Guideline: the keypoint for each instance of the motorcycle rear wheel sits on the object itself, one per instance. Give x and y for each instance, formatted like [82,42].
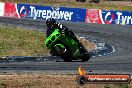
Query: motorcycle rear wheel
[85,57]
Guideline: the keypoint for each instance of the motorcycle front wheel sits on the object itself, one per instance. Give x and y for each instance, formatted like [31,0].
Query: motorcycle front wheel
[63,53]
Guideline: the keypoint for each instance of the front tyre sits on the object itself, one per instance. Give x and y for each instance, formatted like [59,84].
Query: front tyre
[63,53]
[59,50]
[52,53]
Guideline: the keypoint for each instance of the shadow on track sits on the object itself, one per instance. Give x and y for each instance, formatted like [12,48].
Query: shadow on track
[102,49]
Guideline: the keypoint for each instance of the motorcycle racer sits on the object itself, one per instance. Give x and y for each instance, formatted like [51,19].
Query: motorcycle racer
[52,24]
[62,42]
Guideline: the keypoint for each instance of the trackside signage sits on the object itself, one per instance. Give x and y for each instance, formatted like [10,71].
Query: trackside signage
[108,17]
[45,12]
[66,14]
[116,17]
[84,77]
[2,9]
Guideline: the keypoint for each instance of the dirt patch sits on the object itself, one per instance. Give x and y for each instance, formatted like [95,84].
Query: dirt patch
[88,45]
[42,80]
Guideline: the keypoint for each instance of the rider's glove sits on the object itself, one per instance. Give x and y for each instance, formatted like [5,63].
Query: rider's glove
[60,25]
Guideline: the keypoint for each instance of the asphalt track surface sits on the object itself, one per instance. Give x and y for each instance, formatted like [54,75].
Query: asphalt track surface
[119,36]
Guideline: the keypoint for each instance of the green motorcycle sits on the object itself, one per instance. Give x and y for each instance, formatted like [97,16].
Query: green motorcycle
[61,45]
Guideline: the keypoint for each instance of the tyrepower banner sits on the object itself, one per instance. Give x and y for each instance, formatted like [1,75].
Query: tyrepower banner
[116,17]
[45,12]
[66,14]
[108,17]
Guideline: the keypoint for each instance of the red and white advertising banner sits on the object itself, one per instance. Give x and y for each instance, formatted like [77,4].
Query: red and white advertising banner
[93,16]
[67,14]
[2,9]
[10,10]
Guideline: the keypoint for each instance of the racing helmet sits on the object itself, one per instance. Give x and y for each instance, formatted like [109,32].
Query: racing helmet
[50,22]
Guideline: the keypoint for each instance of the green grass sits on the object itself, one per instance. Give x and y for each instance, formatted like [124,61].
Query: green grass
[118,85]
[123,85]
[21,42]
[92,6]
[72,3]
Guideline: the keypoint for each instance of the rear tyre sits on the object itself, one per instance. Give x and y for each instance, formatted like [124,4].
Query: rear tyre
[67,59]
[85,58]
[85,55]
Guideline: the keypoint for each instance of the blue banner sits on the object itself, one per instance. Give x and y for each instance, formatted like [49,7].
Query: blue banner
[72,14]
[116,17]
[45,12]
